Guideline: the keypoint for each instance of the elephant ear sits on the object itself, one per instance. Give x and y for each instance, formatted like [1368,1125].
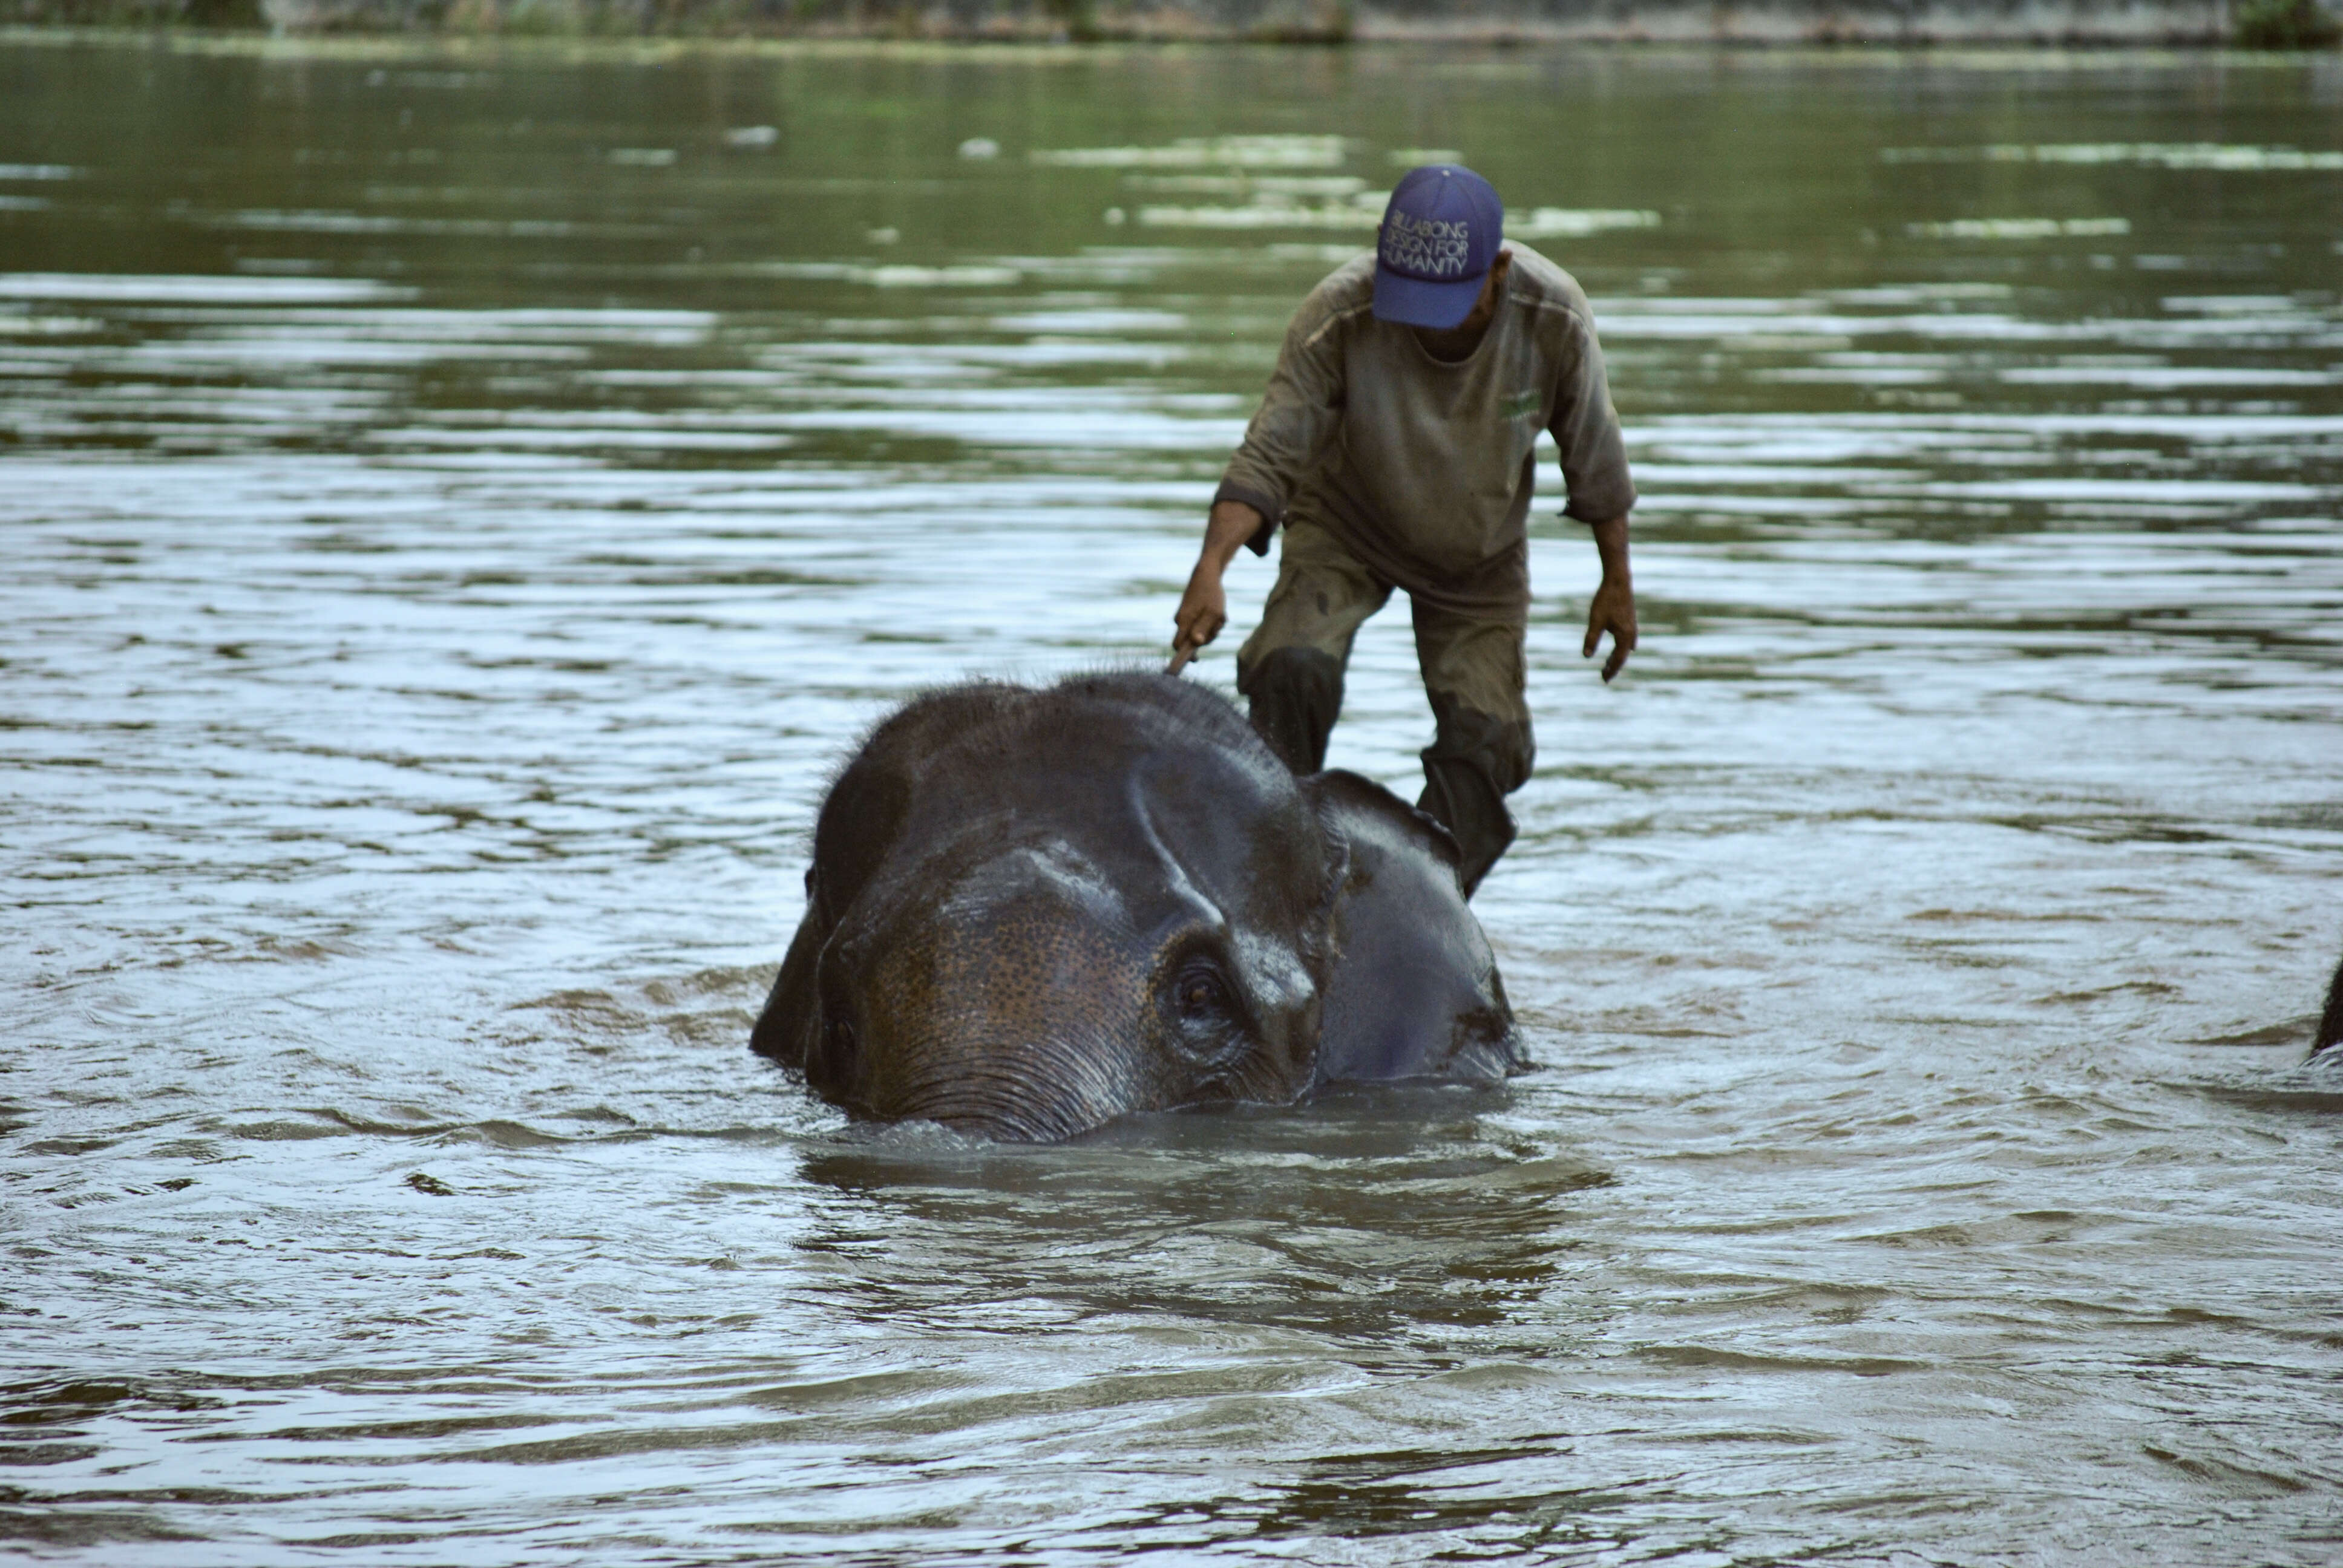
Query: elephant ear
[2330,1024]
[1415,992]
[860,820]
[863,819]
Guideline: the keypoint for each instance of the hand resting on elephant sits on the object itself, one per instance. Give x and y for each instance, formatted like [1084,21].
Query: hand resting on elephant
[1032,911]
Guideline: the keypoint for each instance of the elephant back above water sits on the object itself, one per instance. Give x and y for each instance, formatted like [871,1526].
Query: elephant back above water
[1032,911]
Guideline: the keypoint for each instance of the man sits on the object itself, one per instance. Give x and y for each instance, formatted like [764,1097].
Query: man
[1396,444]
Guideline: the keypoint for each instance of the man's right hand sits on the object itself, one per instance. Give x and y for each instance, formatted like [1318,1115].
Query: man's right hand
[1204,611]
[1204,607]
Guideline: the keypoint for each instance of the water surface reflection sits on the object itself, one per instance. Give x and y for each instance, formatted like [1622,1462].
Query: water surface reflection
[462,508]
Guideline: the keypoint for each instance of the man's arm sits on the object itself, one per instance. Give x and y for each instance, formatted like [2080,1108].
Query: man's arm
[1594,454]
[1613,607]
[1287,436]
[1204,607]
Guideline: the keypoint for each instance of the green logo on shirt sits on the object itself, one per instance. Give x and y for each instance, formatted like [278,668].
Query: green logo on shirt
[1519,404]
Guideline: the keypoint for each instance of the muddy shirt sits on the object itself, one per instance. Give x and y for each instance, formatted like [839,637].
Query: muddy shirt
[1425,468]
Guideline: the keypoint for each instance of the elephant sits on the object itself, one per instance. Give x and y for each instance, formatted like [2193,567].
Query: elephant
[1034,909]
[2330,1022]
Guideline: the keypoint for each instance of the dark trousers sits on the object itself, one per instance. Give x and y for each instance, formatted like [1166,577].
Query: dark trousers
[1291,669]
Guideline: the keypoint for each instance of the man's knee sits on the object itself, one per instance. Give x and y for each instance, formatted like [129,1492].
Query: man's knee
[1474,761]
[1296,694]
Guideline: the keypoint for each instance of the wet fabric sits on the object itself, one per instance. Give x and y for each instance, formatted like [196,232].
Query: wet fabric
[1296,694]
[1425,468]
[1475,760]
[1291,669]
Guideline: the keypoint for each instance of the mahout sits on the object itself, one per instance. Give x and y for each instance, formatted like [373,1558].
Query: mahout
[1033,910]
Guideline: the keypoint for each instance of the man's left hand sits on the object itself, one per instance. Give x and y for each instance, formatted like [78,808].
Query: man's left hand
[1614,611]
[1614,608]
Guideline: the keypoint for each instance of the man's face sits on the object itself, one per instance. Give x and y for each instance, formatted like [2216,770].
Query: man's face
[1493,289]
[1484,309]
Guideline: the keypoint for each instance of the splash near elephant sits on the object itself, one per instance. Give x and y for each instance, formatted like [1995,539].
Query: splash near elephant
[1032,910]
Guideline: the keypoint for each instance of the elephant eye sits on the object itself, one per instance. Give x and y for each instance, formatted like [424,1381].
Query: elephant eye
[1211,1027]
[1198,992]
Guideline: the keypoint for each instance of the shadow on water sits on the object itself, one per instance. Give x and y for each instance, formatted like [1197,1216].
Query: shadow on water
[1417,1491]
[1365,1215]
[2312,1091]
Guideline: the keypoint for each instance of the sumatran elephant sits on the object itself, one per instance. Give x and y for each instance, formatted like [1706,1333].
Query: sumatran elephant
[2330,1022]
[1032,910]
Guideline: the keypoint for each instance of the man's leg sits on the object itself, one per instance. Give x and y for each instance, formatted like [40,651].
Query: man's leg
[1292,666]
[1482,748]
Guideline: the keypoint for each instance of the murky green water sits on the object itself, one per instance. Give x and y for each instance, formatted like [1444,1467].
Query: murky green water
[458,508]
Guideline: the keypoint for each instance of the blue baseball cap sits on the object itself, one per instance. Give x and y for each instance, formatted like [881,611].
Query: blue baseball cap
[1439,238]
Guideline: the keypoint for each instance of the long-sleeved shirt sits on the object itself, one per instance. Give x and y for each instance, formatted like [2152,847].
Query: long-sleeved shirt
[1425,468]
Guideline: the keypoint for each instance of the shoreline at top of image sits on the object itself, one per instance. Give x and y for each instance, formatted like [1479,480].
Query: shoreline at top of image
[1796,25]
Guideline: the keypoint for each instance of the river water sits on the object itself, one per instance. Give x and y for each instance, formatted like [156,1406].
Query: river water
[460,505]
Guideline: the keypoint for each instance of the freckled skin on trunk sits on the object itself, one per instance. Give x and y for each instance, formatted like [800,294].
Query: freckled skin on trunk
[1032,912]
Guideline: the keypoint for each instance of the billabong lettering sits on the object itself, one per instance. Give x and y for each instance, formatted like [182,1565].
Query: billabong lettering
[1426,246]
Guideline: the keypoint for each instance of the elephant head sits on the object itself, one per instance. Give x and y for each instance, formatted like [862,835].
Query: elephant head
[1030,911]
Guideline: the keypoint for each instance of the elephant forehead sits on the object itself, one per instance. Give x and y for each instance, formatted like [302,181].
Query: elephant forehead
[1029,922]
[1004,927]
[1237,838]
[1014,950]
[1122,834]
[1045,871]
[1130,899]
